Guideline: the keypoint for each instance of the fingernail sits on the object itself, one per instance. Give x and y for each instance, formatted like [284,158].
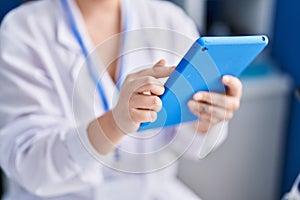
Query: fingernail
[192,104]
[146,93]
[226,79]
[198,96]
[153,116]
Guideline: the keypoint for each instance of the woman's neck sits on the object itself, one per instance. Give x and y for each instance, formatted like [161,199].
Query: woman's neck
[89,8]
[103,20]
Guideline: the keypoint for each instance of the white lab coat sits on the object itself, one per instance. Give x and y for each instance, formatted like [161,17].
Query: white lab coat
[47,100]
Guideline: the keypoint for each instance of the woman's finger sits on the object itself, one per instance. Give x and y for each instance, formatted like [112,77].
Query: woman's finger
[156,72]
[211,98]
[142,116]
[160,63]
[219,100]
[234,86]
[147,84]
[146,102]
[205,111]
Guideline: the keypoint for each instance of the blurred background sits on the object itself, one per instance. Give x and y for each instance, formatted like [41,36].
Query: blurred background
[261,158]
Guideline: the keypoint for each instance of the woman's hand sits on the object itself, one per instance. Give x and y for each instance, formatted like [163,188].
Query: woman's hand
[138,100]
[213,108]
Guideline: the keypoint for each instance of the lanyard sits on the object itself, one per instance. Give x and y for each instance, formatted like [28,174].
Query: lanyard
[91,69]
[93,73]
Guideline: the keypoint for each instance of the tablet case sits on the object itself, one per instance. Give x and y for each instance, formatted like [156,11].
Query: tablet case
[201,69]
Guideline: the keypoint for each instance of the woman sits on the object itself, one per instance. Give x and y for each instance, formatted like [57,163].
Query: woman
[50,78]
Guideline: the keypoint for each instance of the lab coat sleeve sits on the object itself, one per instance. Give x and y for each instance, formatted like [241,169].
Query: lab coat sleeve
[194,145]
[39,146]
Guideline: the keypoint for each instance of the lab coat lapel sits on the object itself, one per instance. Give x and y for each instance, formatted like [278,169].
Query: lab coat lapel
[64,34]
[66,38]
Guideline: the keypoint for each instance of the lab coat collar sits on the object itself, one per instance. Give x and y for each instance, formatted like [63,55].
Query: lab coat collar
[64,33]
[65,37]
[130,20]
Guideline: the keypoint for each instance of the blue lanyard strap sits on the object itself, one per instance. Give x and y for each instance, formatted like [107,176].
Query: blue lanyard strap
[93,73]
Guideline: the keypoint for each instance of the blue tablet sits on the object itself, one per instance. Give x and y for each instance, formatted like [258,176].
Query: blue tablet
[201,69]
